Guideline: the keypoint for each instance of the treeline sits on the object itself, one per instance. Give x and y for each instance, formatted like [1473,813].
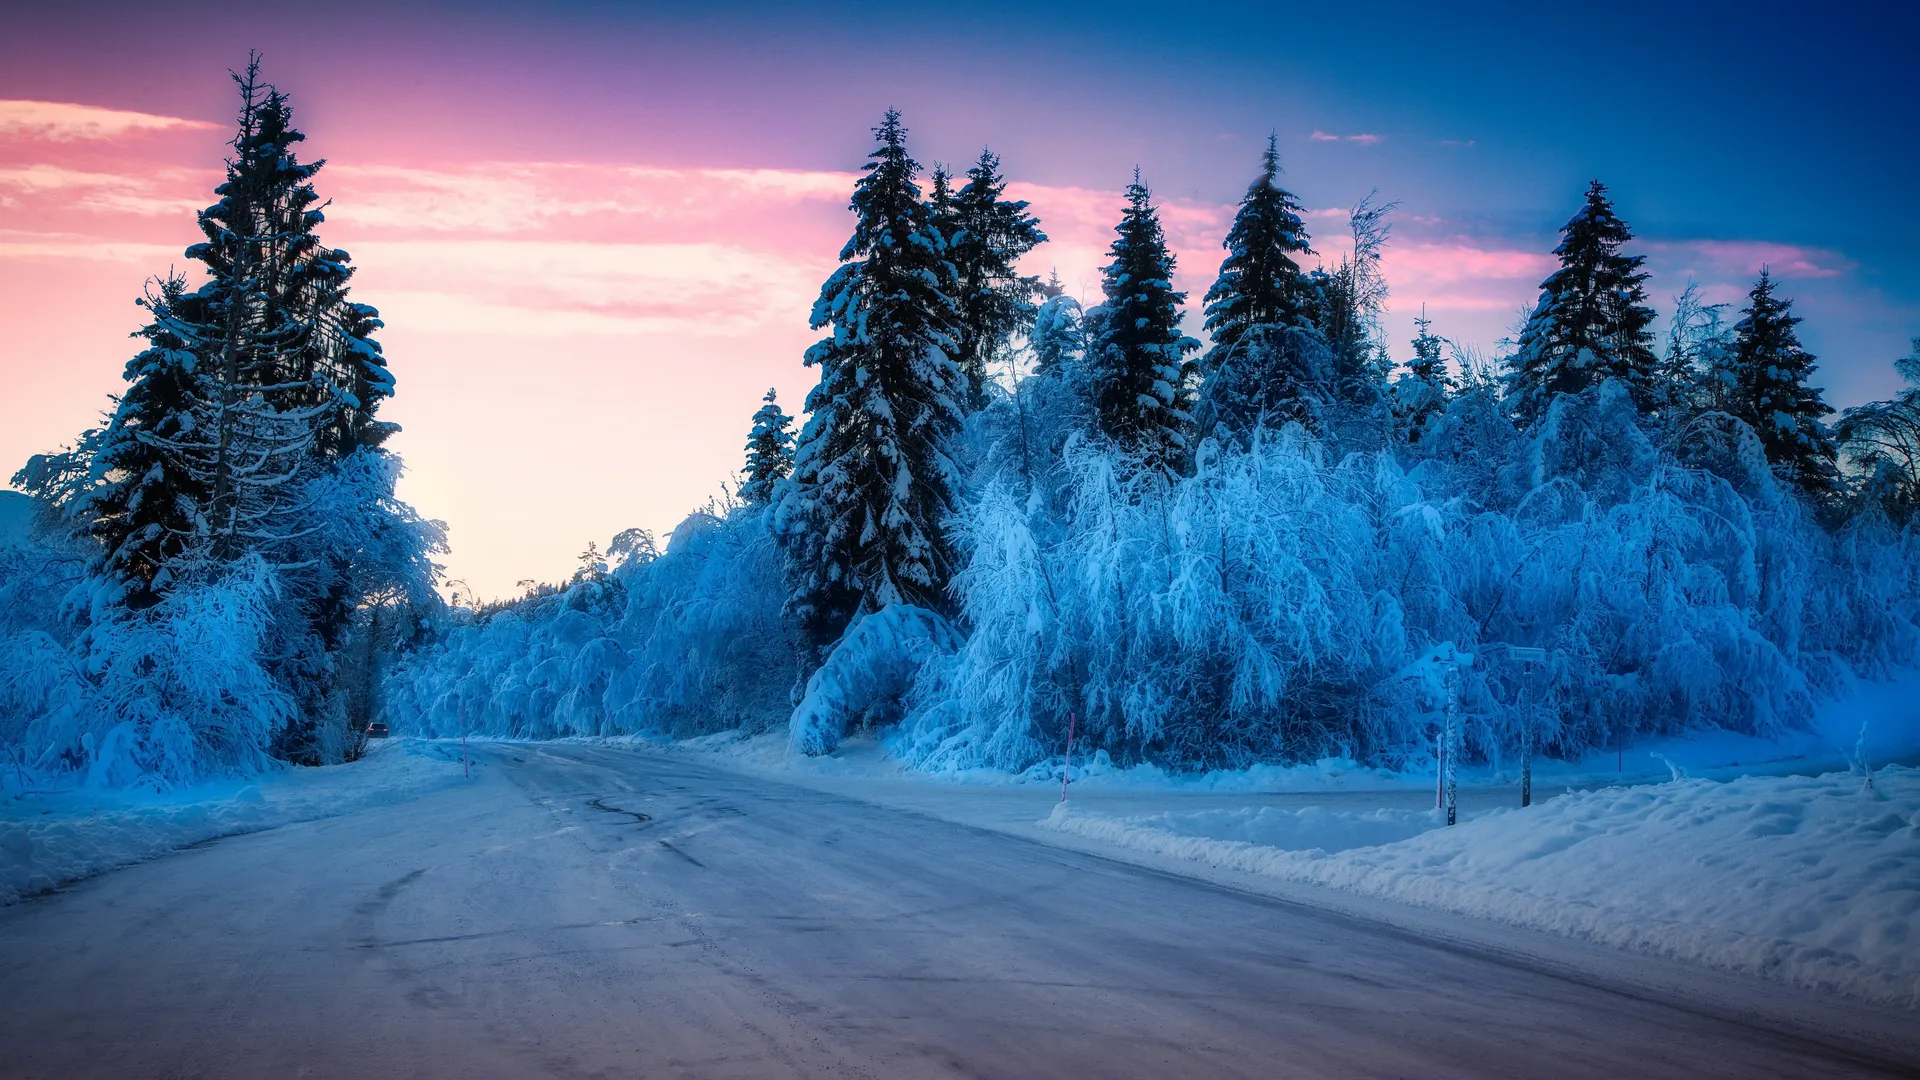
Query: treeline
[1007,512]
[220,565]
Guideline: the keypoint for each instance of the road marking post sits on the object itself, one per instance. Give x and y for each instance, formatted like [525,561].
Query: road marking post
[1066,762]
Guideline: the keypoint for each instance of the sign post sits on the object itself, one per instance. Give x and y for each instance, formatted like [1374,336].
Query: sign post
[1066,762]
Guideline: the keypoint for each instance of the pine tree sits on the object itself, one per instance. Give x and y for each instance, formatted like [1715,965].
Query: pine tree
[1771,392]
[1261,282]
[769,452]
[1592,322]
[990,234]
[1137,357]
[863,513]
[147,506]
[1059,335]
[1424,389]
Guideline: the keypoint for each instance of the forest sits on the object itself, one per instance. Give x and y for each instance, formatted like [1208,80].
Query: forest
[1007,513]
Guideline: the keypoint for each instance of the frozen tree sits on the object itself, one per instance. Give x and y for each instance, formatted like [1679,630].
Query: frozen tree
[1058,335]
[863,514]
[1770,391]
[1592,320]
[769,452]
[1882,438]
[147,505]
[989,235]
[1351,299]
[1422,390]
[1137,357]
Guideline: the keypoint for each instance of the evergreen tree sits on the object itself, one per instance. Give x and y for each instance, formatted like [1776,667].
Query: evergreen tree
[1137,357]
[863,513]
[990,234]
[1771,392]
[1261,282]
[1424,389]
[1059,328]
[769,452]
[147,505]
[1592,320]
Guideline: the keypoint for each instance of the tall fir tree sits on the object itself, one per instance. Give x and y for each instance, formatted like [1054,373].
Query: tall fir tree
[1261,282]
[1592,322]
[769,452]
[1772,395]
[989,235]
[863,514]
[1139,362]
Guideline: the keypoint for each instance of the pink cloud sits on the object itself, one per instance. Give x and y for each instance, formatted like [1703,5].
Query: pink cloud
[1748,256]
[59,121]
[1321,136]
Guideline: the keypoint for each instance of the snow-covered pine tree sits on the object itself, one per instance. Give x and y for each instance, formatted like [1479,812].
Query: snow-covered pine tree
[1423,389]
[990,234]
[264,347]
[769,452]
[1257,373]
[146,503]
[1261,282]
[862,517]
[1058,335]
[1592,322]
[1138,360]
[1771,392]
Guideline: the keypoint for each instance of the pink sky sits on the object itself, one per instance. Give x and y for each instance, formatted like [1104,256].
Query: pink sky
[578,344]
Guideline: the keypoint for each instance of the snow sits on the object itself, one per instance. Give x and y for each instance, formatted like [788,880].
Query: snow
[50,839]
[16,518]
[1809,880]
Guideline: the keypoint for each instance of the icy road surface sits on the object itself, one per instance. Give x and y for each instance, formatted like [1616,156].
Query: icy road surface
[580,911]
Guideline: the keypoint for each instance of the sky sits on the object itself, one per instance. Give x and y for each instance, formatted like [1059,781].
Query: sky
[595,230]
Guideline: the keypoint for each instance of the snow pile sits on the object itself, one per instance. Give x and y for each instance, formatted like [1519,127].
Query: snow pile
[1809,880]
[49,840]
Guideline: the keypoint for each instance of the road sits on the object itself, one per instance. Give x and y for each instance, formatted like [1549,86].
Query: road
[595,912]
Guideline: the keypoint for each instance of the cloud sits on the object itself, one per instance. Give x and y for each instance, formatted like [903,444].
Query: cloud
[77,189]
[57,121]
[1748,256]
[1363,138]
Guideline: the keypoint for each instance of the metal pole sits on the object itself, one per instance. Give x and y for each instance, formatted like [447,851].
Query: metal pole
[1066,763]
[1449,764]
[1526,757]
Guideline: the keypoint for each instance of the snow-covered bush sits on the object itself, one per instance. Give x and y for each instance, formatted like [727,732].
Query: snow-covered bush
[684,644]
[159,697]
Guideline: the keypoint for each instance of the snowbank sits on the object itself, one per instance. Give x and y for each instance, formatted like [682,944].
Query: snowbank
[49,840]
[1808,880]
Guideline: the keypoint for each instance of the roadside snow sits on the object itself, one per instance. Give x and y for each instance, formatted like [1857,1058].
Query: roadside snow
[1808,880]
[48,840]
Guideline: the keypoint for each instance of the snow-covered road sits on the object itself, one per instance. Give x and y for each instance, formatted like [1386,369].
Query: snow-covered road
[595,911]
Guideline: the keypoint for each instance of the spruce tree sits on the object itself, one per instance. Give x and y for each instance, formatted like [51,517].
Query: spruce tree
[1592,322]
[1424,389]
[872,485]
[1771,393]
[769,452]
[1137,357]
[148,505]
[1261,282]
[1059,335]
[990,234]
